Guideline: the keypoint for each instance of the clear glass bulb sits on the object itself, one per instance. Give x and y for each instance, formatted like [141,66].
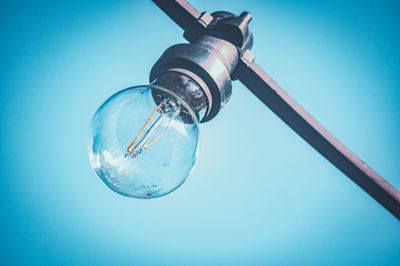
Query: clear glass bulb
[144,141]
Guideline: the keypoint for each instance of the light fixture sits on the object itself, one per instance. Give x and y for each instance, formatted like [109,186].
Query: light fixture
[145,139]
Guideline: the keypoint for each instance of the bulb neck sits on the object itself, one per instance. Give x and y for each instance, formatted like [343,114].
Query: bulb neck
[186,85]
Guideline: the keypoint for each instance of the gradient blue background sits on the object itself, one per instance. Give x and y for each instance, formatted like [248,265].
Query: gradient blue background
[258,195]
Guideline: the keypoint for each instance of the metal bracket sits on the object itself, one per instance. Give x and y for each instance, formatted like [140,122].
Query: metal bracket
[234,29]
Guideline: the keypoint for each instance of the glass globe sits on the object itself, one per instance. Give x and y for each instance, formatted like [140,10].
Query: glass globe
[144,141]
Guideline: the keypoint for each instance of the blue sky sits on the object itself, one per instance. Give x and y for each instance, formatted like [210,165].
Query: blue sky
[258,195]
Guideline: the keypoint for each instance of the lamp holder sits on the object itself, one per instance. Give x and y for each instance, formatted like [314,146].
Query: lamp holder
[210,58]
[218,52]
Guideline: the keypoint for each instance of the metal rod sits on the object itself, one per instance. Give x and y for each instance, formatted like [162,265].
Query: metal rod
[273,96]
[182,13]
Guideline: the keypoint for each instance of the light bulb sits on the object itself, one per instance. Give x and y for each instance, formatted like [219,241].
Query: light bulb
[144,140]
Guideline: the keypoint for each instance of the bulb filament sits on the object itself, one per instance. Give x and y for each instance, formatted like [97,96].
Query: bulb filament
[167,110]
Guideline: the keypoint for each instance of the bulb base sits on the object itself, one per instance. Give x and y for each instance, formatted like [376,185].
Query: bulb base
[206,64]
